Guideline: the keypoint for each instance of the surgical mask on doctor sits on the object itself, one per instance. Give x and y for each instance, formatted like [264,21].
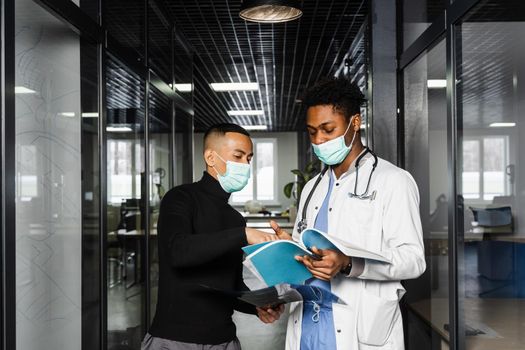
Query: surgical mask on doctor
[236,176]
[334,151]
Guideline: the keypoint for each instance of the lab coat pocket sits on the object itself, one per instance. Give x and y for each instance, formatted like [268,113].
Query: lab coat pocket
[376,319]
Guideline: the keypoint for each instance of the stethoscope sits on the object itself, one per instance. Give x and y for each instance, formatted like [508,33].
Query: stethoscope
[301,225]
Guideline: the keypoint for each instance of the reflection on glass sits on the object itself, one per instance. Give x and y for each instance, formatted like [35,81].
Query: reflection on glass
[126,24]
[418,16]
[126,184]
[160,178]
[490,103]
[426,160]
[183,148]
[159,44]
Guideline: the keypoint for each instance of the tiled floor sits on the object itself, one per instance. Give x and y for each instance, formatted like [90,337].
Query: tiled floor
[124,315]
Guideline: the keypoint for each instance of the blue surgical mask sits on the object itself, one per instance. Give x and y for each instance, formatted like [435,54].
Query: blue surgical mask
[236,176]
[334,151]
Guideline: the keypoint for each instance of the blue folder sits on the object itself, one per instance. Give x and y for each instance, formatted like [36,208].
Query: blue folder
[276,263]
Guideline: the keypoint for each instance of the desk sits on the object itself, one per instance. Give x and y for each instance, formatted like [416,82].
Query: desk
[265,218]
[506,317]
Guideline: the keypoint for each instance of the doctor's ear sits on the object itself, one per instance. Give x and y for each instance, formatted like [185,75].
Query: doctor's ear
[356,122]
[209,157]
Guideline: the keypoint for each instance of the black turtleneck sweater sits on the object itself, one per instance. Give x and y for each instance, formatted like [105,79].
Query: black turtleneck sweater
[200,238]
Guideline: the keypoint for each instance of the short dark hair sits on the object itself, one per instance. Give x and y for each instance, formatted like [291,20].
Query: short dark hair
[341,93]
[222,128]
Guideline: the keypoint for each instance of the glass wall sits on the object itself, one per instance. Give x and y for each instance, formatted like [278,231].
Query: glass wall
[490,82]
[477,302]
[49,192]
[426,159]
[126,206]
[160,175]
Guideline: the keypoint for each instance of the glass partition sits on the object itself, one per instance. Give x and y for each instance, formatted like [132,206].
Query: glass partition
[490,77]
[126,185]
[160,175]
[49,102]
[426,159]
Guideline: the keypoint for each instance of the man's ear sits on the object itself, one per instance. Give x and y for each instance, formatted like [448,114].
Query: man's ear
[209,157]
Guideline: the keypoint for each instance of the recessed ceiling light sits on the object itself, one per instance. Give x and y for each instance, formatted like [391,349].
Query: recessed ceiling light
[23,90]
[502,125]
[234,86]
[436,83]
[237,113]
[255,127]
[90,115]
[184,87]
[118,129]
[270,11]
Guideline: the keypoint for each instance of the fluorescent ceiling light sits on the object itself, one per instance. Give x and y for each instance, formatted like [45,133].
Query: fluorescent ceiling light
[184,87]
[67,114]
[23,90]
[90,115]
[234,86]
[255,127]
[436,83]
[502,125]
[118,129]
[237,113]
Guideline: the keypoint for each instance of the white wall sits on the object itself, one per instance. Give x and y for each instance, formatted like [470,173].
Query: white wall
[287,160]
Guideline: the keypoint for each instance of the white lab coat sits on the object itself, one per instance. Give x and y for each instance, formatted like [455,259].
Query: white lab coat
[389,224]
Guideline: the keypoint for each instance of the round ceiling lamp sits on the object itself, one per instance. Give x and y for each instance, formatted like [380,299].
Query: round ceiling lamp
[270,11]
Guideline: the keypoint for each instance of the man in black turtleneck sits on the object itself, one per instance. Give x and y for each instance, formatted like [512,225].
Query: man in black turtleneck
[200,238]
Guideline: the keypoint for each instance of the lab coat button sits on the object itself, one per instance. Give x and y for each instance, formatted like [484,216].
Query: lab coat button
[295,322]
[337,183]
[316,208]
[330,209]
[338,331]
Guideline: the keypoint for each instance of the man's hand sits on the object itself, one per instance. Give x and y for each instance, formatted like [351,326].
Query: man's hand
[254,236]
[281,234]
[328,266]
[270,315]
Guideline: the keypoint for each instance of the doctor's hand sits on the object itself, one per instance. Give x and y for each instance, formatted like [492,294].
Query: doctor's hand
[254,236]
[281,234]
[330,264]
[270,315]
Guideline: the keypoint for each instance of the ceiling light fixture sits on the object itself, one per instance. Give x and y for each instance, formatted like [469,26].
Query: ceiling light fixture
[502,125]
[436,83]
[270,11]
[90,115]
[234,86]
[184,87]
[119,129]
[239,113]
[255,127]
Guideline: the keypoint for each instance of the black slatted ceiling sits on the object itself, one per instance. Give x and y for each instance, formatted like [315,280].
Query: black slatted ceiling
[282,58]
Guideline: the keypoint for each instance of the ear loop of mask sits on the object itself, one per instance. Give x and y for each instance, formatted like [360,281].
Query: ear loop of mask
[213,166]
[353,137]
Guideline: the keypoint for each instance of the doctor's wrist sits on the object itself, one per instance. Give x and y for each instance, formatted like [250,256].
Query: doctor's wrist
[346,267]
